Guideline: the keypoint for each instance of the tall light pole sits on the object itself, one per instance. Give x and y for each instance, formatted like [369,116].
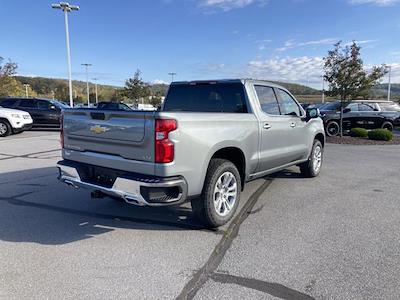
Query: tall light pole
[323,89]
[26,90]
[66,7]
[95,88]
[390,79]
[87,82]
[172,74]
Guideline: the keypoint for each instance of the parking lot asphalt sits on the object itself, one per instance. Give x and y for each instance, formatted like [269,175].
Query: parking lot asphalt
[332,237]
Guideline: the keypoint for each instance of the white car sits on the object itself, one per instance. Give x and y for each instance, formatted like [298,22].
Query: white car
[14,121]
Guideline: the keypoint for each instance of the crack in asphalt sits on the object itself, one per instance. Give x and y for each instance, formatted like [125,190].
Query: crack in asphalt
[188,226]
[26,155]
[204,273]
[272,288]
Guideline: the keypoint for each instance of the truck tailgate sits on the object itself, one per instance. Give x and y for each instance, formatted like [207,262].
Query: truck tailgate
[126,134]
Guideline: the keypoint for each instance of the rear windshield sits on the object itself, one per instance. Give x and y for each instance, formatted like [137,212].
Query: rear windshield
[206,97]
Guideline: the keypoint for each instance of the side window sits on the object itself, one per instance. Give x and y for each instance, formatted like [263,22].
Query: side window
[266,96]
[43,104]
[288,104]
[28,103]
[365,107]
[353,107]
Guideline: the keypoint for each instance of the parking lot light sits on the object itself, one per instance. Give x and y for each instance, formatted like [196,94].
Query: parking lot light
[66,7]
[87,81]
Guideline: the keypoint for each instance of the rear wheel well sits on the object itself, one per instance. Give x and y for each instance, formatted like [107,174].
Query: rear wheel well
[320,137]
[236,156]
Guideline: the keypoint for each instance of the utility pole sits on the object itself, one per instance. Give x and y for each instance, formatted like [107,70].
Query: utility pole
[26,90]
[53,94]
[172,74]
[390,79]
[87,81]
[66,7]
[95,87]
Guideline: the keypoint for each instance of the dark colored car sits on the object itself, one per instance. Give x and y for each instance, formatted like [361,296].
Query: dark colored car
[112,106]
[45,113]
[356,114]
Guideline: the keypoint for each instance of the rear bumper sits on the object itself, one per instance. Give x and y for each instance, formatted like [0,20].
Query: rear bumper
[134,188]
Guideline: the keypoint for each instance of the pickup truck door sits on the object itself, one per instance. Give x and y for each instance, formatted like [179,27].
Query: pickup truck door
[297,134]
[278,141]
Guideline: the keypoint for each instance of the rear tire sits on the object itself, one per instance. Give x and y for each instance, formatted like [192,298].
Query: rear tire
[332,128]
[5,128]
[312,167]
[221,194]
[388,126]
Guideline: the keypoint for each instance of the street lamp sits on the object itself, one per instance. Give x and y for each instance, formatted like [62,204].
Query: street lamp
[26,90]
[95,88]
[87,81]
[390,79]
[172,74]
[66,7]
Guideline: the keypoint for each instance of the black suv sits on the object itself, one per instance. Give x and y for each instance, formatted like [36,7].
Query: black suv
[45,113]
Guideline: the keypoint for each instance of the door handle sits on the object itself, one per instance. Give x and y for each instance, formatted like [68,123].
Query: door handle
[293,125]
[267,126]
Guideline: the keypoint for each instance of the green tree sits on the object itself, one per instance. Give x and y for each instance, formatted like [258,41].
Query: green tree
[346,75]
[61,91]
[155,100]
[135,88]
[9,86]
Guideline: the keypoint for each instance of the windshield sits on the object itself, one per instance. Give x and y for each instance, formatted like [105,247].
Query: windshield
[389,106]
[330,106]
[59,104]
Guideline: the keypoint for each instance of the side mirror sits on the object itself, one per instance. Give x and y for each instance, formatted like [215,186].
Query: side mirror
[53,107]
[346,110]
[312,113]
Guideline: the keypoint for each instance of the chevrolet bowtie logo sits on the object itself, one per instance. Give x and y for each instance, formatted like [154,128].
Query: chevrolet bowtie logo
[98,129]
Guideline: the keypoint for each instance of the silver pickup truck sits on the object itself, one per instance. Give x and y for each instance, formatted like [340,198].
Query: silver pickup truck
[208,140]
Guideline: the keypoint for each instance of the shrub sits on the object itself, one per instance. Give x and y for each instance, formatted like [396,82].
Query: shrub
[358,132]
[380,135]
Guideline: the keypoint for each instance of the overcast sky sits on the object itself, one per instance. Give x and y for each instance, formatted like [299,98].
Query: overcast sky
[204,39]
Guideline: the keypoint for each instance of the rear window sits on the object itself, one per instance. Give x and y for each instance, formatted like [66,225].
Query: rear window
[206,97]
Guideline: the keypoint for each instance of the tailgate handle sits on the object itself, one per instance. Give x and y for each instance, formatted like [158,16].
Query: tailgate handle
[98,116]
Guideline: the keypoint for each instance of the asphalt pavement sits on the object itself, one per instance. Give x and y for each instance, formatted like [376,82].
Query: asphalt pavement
[332,237]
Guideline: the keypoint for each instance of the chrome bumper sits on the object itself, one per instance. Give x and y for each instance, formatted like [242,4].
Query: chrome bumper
[127,189]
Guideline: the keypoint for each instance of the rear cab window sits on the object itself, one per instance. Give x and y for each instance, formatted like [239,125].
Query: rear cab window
[207,97]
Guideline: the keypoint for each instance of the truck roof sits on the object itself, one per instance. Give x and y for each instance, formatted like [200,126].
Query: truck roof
[242,80]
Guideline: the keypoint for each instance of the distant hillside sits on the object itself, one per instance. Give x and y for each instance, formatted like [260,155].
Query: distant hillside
[381,91]
[44,87]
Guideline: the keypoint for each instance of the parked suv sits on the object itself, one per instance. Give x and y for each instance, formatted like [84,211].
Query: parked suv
[13,121]
[364,114]
[45,113]
[209,139]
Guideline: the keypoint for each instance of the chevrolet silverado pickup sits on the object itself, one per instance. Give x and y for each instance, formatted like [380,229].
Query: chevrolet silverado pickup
[206,142]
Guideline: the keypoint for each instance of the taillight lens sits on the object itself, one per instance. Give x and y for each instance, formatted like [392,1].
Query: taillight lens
[164,148]
[62,131]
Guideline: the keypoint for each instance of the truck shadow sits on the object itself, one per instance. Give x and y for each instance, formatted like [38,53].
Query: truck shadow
[35,207]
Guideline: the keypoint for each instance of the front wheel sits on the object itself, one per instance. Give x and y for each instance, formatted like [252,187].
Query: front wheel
[312,167]
[221,193]
[5,128]
[388,126]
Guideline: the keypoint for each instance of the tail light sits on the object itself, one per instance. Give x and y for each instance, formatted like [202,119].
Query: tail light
[164,148]
[62,131]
